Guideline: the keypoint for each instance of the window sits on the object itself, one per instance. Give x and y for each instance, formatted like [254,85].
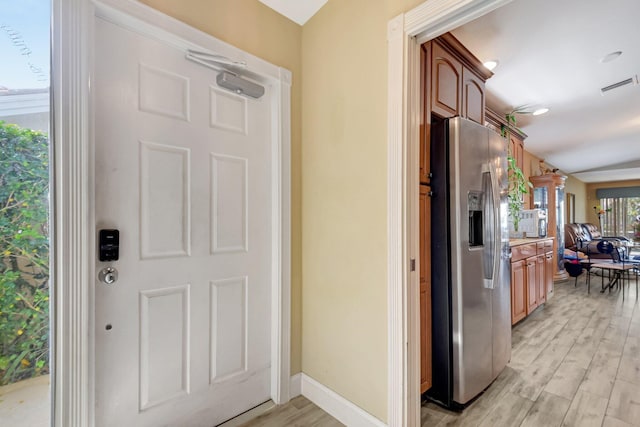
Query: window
[619,216]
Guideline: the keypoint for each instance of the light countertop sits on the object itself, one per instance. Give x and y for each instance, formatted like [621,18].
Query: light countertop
[518,242]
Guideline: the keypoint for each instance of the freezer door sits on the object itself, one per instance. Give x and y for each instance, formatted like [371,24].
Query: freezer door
[501,298]
[471,299]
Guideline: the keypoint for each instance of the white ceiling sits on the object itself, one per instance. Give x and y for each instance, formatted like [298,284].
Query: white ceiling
[549,53]
[299,11]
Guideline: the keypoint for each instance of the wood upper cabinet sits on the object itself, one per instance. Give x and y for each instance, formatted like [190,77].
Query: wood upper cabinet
[457,80]
[446,82]
[453,84]
[472,97]
[425,290]
[518,292]
[516,148]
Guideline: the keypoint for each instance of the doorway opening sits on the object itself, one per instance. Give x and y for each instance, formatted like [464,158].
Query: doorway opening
[25,396]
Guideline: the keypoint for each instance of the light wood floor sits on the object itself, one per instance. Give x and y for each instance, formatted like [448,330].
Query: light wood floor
[299,412]
[575,362]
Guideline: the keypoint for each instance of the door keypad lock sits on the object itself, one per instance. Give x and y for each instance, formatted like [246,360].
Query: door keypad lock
[108,275]
[108,245]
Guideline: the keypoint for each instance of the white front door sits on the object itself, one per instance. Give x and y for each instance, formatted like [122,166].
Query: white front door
[183,171]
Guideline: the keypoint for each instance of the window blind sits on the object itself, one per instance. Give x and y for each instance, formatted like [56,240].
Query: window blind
[617,192]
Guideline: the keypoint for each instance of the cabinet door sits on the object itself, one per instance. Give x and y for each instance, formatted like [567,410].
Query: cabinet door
[548,273]
[516,149]
[472,97]
[425,290]
[530,282]
[541,286]
[518,292]
[446,83]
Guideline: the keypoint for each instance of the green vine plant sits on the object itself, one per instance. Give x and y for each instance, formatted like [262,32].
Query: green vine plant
[518,183]
[518,187]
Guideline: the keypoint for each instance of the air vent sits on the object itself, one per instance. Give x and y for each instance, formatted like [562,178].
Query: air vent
[630,81]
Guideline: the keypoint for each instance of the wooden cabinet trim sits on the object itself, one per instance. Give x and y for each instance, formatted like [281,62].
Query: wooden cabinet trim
[426,374]
[497,120]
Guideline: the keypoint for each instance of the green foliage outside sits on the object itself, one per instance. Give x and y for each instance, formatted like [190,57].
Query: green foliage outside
[24,253]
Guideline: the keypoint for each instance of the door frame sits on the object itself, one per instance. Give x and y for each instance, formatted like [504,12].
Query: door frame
[73,193]
[405,34]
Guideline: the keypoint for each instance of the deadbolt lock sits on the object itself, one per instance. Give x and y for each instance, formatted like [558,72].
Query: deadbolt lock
[108,275]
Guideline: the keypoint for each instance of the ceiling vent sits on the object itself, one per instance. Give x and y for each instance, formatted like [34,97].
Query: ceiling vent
[630,81]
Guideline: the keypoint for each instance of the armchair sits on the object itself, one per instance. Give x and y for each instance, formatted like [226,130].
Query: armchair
[587,239]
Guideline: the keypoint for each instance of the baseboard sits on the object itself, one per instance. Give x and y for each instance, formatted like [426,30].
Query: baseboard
[335,405]
[295,385]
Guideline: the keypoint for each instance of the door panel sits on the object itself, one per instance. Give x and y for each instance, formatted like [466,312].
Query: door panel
[446,83]
[518,292]
[472,97]
[183,171]
[548,273]
[540,280]
[532,290]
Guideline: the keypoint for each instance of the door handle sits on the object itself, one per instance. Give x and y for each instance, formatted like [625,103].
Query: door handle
[108,275]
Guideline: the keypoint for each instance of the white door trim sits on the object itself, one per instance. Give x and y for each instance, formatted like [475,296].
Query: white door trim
[73,207]
[406,32]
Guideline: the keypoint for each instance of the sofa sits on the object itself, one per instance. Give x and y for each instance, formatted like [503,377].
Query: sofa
[588,239]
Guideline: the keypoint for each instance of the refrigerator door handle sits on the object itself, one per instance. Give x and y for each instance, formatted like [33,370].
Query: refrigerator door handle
[492,227]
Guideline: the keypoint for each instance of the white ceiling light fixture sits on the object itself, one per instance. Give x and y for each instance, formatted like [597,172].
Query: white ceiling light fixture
[540,111]
[530,110]
[491,64]
[611,56]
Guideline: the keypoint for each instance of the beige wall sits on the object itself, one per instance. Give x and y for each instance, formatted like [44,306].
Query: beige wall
[579,189]
[344,205]
[255,28]
[593,201]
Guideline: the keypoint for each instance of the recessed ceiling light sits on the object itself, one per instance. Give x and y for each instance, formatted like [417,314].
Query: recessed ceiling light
[611,56]
[490,65]
[540,111]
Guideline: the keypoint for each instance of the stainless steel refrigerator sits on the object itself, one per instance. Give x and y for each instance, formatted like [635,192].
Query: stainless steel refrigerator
[470,260]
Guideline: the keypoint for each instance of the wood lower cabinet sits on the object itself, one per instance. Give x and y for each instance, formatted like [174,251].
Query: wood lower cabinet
[548,272]
[541,286]
[531,276]
[518,292]
[425,290]
[530,284]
